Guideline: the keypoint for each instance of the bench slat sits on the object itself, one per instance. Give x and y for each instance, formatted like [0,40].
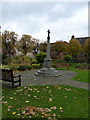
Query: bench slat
[7,76]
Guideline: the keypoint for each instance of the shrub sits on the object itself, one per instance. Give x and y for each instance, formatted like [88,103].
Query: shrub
[4,66]
[29,67]
[68,58]
[14,66]
[19,59]
[33,61]
[40,57]
[22,68]
[4,59]
[83,66]
[36,66]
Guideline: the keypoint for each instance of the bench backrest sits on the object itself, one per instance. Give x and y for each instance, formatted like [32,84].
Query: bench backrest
[7,74]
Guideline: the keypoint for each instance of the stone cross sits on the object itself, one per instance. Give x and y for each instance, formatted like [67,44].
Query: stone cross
[48,46]
[48,38]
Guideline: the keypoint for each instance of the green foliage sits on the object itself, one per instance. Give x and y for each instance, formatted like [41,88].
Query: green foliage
[28,67]
[19,59]
[26,44]
[42,47]
[40,57]
[75,47]
[83,66]
[22,68]
[9,40]
[36,66]
[33,61]
[87,46]
[59,46]
[4,66]
[13,66]
[68,58]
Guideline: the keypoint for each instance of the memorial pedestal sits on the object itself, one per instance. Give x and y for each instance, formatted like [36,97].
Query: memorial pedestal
[47,70]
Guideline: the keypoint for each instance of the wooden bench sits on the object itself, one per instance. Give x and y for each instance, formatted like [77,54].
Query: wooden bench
[7,76]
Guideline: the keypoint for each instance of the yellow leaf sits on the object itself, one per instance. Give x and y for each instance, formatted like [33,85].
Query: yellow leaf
[14,113]
[11,98]
[27,101]
[60,108]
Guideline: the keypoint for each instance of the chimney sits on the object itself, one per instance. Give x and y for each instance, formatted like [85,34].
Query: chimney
[72,36]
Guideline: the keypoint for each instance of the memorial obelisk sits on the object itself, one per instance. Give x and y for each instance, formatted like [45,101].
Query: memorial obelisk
[47,69]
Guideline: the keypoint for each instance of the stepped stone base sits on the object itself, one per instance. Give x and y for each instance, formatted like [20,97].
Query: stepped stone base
[45,72]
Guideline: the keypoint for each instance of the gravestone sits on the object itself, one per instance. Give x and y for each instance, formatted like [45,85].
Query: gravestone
[47,69]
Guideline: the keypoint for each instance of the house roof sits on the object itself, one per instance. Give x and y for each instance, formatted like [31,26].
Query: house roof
[82,39]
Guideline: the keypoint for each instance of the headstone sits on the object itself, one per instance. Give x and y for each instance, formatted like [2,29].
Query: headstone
[47,70]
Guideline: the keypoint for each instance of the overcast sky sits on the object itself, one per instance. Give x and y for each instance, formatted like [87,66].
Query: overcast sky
[64,19]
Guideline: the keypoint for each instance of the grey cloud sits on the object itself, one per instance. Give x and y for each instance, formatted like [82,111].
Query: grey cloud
[34,17]
[20,10]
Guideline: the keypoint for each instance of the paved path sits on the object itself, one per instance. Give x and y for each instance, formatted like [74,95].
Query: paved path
[29,77]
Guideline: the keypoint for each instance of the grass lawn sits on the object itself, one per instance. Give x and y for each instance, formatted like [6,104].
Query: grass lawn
[82,75]
[60,101]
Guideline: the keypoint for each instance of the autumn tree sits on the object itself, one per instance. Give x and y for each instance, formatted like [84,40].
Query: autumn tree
[42,47]
[8,43]
[59,46]
[87,46]
[75,47]
[26,44]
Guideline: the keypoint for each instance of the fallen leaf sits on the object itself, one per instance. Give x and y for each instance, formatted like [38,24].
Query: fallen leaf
[27,101]
[60,108]
[37,91]
[21,90]
[8,109]
[65,96]
[17,90]
[23,112]
[62,111]
[14,113]
[74,97]
[50,100]
[54,115]
[10,106]
[54,108]
[29,95]
[25,87]
[29,89]
[5,102]
[18,114]
[11,98]
[18,109]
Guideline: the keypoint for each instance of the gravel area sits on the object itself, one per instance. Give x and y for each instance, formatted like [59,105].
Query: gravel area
[29,77]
